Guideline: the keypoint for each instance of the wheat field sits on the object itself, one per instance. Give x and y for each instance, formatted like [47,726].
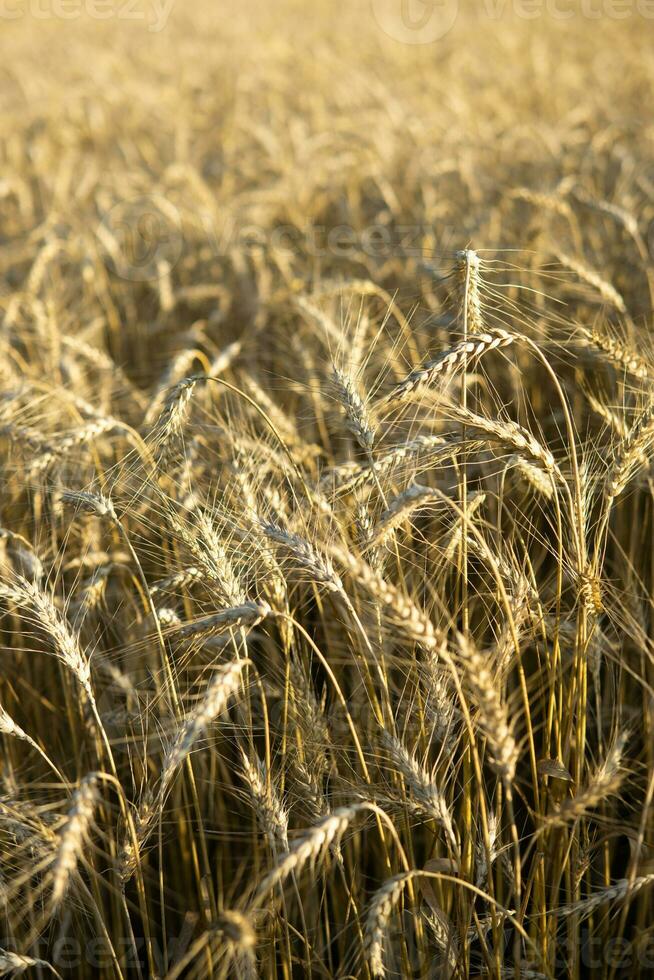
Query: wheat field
[327,505]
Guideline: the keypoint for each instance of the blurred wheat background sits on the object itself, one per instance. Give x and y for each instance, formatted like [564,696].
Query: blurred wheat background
[326,511]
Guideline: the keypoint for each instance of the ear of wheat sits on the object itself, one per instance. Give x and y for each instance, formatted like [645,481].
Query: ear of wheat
[448,362]
[73,836]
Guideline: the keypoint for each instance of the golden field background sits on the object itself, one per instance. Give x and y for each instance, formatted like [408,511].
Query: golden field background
[326,505]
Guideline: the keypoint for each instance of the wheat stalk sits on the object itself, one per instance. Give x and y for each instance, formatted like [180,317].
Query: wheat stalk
[359,421]
[443,366]
[73,836]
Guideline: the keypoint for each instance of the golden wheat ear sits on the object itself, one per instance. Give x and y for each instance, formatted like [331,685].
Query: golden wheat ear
[73,836]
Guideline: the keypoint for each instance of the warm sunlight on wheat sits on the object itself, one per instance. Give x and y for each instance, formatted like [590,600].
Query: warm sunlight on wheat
[327,506]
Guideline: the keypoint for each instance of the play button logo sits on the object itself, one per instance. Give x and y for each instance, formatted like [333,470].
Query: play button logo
[415,21]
